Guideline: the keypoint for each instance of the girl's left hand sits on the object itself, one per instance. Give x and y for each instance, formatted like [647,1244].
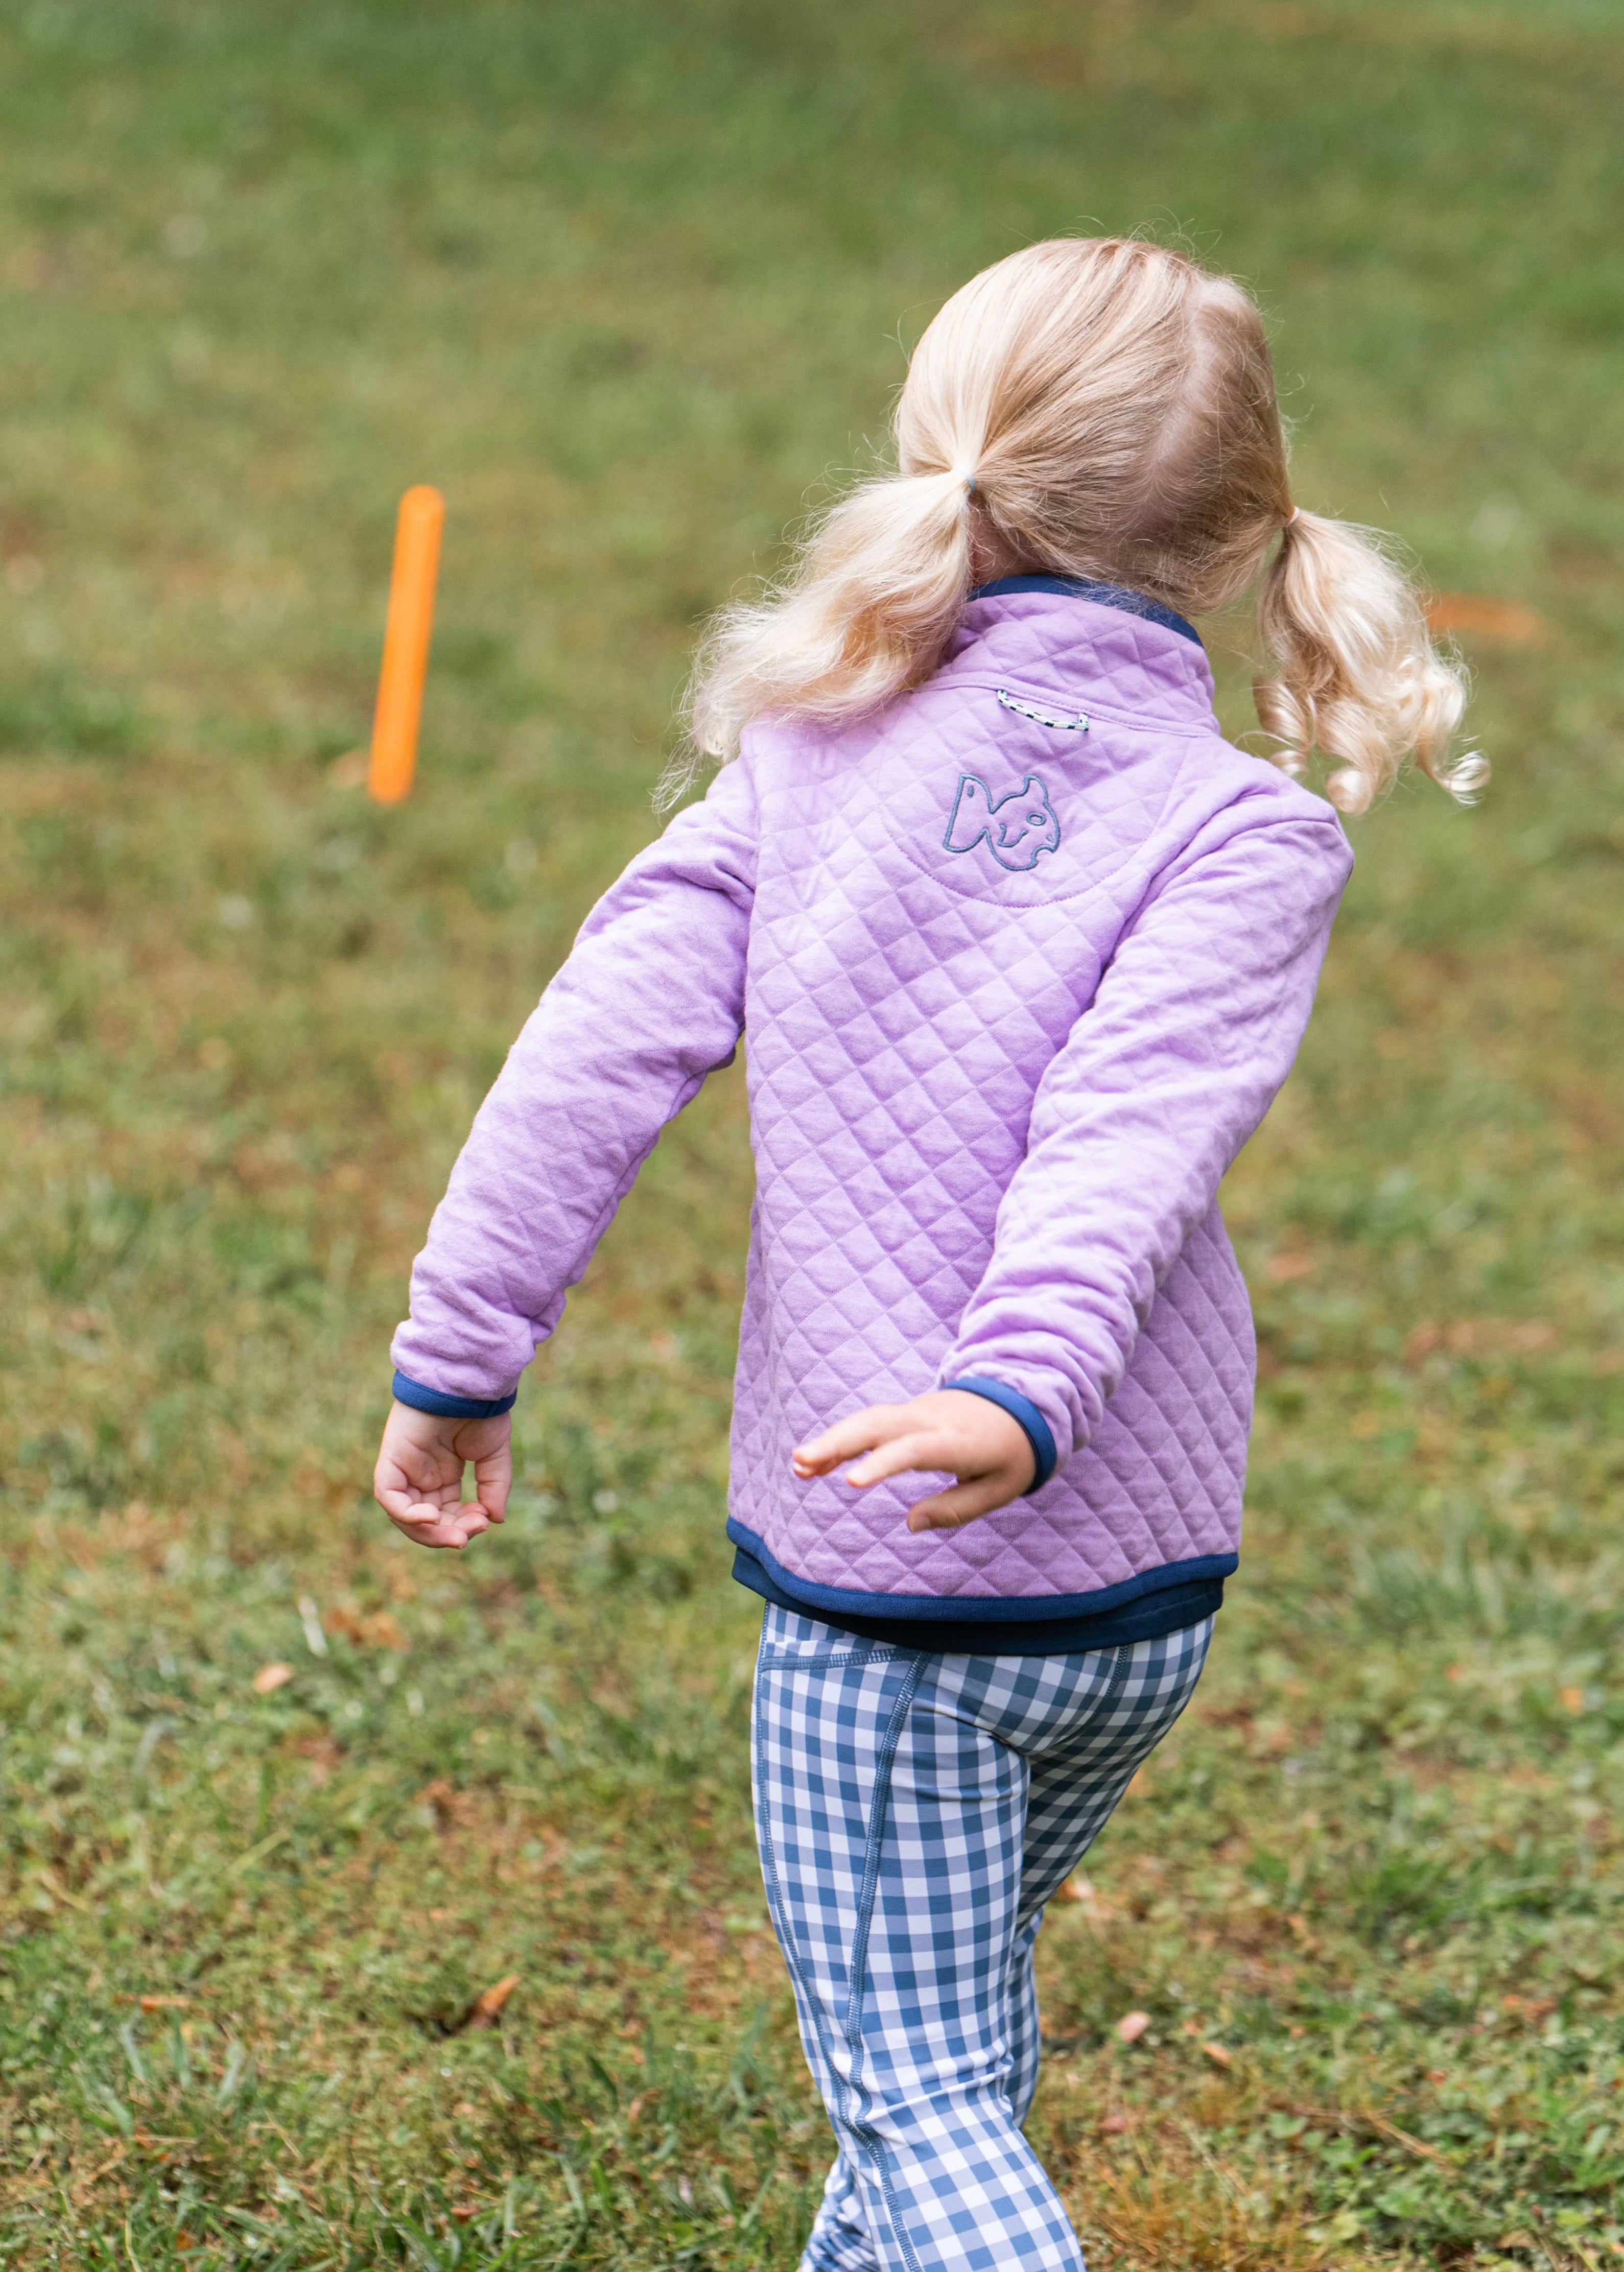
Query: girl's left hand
[969,1435]
[418,1479]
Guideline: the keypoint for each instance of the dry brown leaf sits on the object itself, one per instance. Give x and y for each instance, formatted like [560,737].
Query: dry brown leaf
[163,2003]
[1500,619]
[1282,1268]
[1573,1700]
[487,2006]
[374,1629]
[450,1808]
[1216,2053]
[323,1756]
[270,1677]
[1480,1337]
[1132,2025]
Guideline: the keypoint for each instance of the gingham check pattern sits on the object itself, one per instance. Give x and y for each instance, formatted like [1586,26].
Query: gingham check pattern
[914,1812]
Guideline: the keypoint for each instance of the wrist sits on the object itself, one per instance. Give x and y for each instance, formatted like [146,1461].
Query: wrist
[1027,1417]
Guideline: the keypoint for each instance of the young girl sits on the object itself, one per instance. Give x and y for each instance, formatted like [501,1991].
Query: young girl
[1024,950]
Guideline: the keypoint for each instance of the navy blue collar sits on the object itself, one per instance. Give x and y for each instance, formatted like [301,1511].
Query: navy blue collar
[1104,595]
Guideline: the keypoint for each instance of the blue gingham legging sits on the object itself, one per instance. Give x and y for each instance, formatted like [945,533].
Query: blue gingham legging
[915,1812]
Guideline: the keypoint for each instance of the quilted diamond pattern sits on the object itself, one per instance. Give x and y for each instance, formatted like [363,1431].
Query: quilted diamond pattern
[994,1084]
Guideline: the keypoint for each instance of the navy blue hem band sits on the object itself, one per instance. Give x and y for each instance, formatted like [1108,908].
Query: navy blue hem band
[980,1609]
[1168,1610]
[450,1407]
[1104,595]
[1021,1408]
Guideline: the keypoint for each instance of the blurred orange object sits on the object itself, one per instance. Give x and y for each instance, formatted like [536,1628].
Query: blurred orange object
[406,643]
[1502,619]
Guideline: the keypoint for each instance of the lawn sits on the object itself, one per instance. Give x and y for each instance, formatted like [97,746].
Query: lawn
[359,1907]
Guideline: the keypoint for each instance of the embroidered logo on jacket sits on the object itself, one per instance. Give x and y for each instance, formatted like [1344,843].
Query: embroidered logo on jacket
[1016,829]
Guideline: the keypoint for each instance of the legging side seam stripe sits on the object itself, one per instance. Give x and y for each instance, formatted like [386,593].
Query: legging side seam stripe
[853,2090]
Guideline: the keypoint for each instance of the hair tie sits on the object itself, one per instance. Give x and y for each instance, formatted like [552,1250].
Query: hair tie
[1291,519]
[967,475]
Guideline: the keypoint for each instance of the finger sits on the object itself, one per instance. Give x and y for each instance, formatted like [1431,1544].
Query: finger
[449,1530]
[430,1477]
[392,1496]
[426,1534]
[400,1501]
[388,1482]
[928,1448]
[951,1510]
[419,1480]
[848,1438]
[493,1476]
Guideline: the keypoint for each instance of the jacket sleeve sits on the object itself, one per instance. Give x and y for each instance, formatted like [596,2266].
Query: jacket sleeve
[1162,1078]
[651,999]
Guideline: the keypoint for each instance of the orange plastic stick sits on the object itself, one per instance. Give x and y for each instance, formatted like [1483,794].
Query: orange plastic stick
[406,643]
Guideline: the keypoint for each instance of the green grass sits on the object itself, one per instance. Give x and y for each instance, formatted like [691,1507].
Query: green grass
[626,281]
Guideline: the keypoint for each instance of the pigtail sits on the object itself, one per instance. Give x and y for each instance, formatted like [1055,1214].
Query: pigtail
[1357,674]
[863,613]
[1094,408]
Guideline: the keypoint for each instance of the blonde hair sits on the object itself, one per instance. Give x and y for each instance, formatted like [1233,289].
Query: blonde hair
[1104,408]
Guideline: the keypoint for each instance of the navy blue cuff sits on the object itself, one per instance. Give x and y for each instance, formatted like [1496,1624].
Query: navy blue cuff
[453,1408]
[1038,1433]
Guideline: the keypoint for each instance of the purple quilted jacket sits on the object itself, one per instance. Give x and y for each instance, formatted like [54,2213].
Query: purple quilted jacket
[1022,961]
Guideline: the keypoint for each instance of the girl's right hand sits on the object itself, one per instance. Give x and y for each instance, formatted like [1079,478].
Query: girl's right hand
[418,1478]
[952,1431]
